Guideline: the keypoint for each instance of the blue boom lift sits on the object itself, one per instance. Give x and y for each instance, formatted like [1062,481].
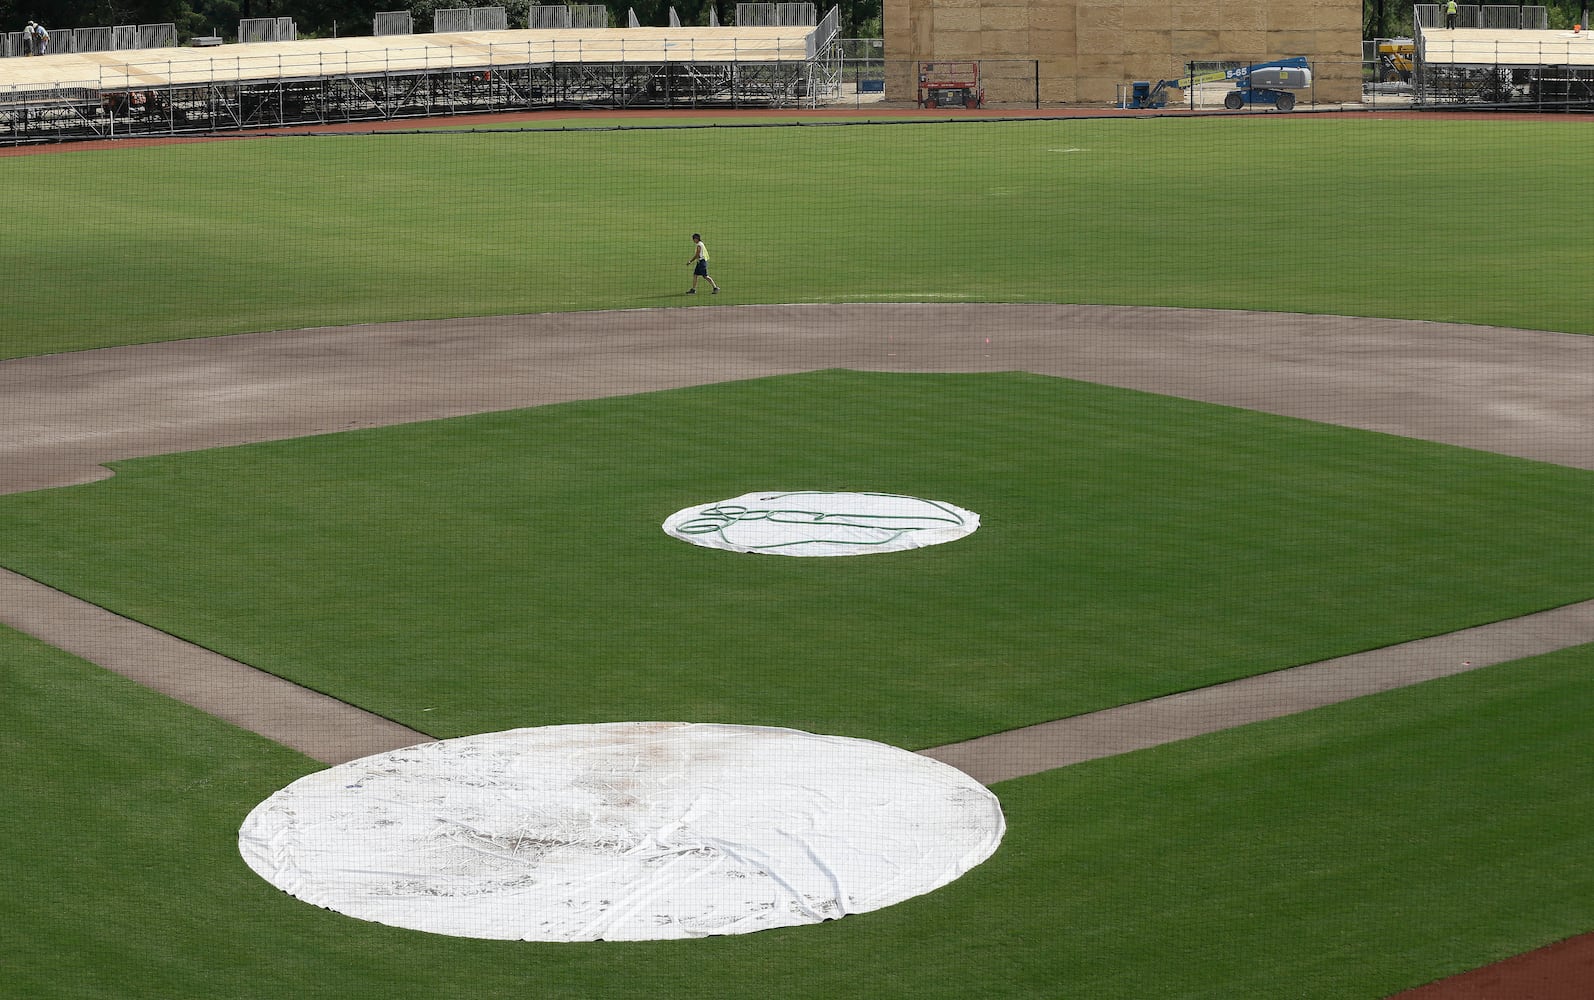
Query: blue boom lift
[1143,94]
[1268,83]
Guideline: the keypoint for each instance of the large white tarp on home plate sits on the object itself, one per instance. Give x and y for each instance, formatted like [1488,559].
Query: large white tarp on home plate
[622,831]
[817,523]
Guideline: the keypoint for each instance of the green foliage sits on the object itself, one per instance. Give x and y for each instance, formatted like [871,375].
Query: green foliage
[859,18]
[210,17]
[1390,19]
[1563,15]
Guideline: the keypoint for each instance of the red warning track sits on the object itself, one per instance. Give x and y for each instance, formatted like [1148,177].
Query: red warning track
[1561,971]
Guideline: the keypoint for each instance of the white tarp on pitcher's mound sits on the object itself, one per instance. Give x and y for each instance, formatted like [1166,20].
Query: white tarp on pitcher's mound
[622,831]
[813,523]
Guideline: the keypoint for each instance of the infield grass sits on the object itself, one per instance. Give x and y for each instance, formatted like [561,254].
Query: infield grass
[1436,219]
[508,569]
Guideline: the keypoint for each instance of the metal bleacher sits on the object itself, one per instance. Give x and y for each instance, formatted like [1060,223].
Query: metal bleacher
[1501,56]
[467,65]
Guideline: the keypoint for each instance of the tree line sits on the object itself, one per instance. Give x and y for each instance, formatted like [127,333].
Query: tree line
[1392,18]
[326,18]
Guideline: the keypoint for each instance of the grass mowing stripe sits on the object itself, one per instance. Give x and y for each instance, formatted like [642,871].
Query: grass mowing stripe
[508,569]
[1324,216]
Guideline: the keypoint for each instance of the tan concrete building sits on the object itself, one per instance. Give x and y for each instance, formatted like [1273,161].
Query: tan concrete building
[1080,52]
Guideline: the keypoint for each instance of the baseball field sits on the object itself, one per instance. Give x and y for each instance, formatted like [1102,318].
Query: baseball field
[504,568]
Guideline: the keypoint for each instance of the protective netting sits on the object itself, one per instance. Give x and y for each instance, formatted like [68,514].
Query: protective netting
[755,15]
[622,831]
[157,36]
[548,16]
[267,29]
[451,19]
[769,15]
[470,19]
[93,40]
[814,523]
[393,22]
[589,15]
[795,13]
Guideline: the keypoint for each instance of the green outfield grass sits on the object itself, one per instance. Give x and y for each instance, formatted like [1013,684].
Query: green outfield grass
[1438,219]
[1346,852]
[508,569]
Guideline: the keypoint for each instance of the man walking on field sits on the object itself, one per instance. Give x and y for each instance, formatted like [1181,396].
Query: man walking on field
[699,264]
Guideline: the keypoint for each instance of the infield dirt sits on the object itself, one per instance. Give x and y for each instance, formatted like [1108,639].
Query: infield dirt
[1516,392]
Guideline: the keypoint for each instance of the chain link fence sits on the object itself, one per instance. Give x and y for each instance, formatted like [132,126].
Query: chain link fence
[866,77]
[851,73]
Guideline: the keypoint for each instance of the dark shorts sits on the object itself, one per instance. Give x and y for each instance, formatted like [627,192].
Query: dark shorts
[701,268]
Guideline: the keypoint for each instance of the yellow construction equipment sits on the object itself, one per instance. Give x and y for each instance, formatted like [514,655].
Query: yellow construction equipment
[1395,57]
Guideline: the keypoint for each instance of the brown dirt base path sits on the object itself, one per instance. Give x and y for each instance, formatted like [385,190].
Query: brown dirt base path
[1517,392]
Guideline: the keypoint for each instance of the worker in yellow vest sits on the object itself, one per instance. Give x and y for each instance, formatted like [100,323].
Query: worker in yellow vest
[1450,13]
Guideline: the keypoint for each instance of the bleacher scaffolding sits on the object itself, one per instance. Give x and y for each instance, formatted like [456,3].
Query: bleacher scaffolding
[1500,56]
[181,91]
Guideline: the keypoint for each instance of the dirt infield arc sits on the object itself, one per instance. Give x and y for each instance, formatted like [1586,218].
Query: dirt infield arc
[1522,393]
[1516,392]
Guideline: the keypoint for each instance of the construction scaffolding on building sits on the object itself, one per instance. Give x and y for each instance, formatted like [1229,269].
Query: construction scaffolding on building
[1500,55]
[177,91]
